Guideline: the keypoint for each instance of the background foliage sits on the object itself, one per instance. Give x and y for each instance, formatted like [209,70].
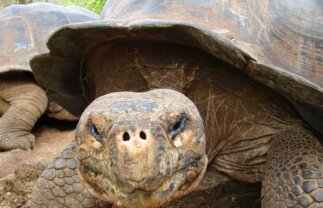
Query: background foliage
[94,5]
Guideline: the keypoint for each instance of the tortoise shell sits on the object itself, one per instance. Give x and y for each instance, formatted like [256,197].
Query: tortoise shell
[278,43]
[283,33]
[25,28]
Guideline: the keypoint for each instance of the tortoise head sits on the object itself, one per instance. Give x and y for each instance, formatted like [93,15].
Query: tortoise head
[141,149]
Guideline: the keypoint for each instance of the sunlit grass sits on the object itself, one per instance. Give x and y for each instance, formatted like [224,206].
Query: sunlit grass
[94,5]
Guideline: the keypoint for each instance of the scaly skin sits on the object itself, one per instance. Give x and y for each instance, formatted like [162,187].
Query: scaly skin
[61,186]
[294,172]
[26,103]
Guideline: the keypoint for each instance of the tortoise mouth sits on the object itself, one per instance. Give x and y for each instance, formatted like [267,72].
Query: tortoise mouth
[180,183]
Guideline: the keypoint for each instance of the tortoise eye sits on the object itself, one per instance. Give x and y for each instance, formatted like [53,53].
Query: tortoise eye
[177,126]
[95,132]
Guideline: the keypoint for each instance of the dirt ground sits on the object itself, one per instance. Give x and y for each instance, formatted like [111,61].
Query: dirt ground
[19,170]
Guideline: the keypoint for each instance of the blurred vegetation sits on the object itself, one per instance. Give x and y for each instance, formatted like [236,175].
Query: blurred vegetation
[94,5]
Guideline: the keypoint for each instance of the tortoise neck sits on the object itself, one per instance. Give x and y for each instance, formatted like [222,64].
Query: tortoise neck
[140,67]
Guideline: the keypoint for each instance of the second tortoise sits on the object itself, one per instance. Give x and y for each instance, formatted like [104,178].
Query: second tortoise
[24,31]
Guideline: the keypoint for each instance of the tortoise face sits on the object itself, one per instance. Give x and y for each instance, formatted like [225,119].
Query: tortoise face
[141,149]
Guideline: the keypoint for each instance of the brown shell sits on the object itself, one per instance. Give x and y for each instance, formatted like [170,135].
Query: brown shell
[277,42]
[283,33]
[25,28]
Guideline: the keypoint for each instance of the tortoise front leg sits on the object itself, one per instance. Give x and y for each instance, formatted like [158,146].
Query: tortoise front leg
[294,172]
[26,102]
[61,186]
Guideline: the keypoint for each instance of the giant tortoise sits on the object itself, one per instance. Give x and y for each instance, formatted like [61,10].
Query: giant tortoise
[24,30]
[170,88]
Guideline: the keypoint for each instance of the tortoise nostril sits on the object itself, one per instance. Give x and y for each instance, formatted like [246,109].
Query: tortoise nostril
[126,136]
[142,135]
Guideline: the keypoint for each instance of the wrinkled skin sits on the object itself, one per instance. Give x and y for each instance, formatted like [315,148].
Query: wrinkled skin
[252,134]
[22,104]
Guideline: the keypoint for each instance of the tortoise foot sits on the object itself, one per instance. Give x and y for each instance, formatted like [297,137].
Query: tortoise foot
[15,140]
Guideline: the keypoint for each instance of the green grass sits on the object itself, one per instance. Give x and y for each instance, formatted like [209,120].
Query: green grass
[94,5]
